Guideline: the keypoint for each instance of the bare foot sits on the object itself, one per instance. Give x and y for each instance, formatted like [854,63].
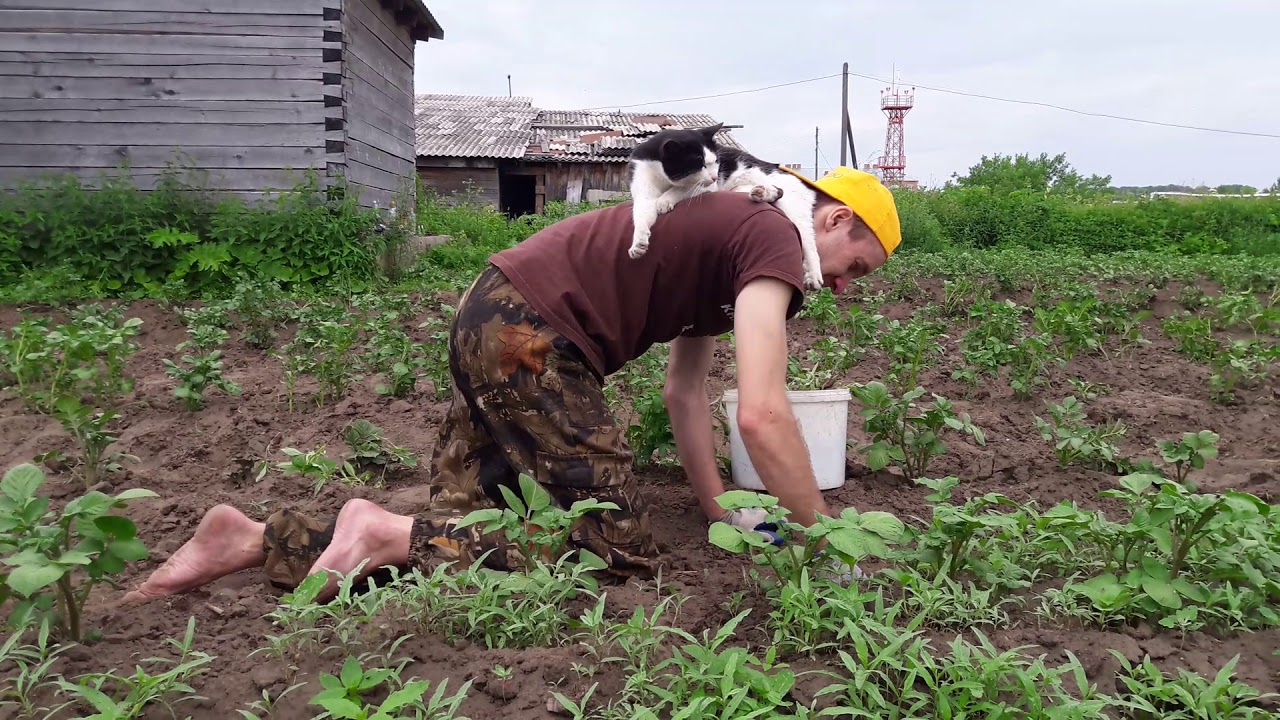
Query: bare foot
[364,533]
[226,541]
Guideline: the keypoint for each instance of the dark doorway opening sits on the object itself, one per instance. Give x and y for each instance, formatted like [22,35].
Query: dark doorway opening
[517,194]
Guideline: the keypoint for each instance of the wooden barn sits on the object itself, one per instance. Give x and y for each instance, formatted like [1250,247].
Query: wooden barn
[515,157]
[247,90]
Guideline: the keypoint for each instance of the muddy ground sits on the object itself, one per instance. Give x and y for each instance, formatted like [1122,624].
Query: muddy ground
[195,461]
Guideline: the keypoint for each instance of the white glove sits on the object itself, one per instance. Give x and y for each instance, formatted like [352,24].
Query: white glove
[745,518]
[836,570]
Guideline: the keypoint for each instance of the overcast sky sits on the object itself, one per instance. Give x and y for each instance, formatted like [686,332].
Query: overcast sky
[1179,61]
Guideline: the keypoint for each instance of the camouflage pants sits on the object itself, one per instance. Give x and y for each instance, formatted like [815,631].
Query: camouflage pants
[525,401]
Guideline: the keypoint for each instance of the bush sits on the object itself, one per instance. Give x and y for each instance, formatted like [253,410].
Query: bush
[980,217]
[181,239]
[921,231]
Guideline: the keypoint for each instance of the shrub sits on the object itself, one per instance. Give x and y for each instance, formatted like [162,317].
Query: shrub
[181,239]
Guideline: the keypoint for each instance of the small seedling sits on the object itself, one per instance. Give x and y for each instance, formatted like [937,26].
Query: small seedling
[1189,453]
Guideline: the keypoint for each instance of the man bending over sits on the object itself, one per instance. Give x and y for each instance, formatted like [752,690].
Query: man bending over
[532,341]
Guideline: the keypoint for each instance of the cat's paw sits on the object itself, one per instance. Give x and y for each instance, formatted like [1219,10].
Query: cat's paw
[813,278]
[665,205]
[766,193]
[639,245]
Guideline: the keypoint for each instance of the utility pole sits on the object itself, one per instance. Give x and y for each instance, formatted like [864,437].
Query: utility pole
[508,84]
[844,112]
[815,153]
[846,125]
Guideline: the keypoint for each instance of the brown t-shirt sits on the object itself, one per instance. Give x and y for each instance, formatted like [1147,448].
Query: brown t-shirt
[578,276]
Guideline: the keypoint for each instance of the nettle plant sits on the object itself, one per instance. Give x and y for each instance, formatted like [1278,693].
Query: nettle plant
[54,560]
[851,537]
[904,434]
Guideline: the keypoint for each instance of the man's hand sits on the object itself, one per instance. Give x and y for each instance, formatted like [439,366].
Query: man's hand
[685,395]
[768,427]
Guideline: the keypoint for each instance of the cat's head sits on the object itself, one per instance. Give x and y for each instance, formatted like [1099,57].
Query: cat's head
[688,156]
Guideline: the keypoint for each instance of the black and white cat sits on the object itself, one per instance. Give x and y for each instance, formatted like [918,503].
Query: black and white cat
[678,164]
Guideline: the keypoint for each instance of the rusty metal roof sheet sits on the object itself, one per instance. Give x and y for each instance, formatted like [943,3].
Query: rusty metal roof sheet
[499,127]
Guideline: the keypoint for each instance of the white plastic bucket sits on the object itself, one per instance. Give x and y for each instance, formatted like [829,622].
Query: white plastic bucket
[824,424]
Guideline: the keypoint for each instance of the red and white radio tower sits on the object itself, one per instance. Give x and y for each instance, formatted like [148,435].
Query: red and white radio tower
[893,163]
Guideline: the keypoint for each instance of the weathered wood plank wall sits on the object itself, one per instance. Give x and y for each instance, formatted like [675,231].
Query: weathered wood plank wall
[453,183]
[594,176]
[234,87]
[377,103]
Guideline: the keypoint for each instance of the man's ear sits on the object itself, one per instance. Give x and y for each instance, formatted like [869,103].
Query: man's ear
[833,214]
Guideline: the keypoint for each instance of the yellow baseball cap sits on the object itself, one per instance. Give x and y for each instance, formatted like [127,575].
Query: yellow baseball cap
[864,194]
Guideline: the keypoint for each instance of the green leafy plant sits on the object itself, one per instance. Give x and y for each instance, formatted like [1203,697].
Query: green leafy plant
[1073,440]
[31,678]
[911,347]
[851,537]
[1189,453]
[90,430]
[127,697]
[538,527]
[904,435]
[1149,693]
[56,559]
[370,449]
[331,347]
[196,374]
[343,695]
[1028,365]
[316,466]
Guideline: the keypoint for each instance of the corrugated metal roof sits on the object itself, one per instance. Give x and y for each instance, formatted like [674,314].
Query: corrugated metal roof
[473,126]
[501,127]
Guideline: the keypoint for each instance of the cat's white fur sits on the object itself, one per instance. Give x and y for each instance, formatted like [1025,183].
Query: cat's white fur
[653,195]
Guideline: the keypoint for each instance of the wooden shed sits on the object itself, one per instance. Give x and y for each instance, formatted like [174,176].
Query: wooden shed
[515,157]
[247,90]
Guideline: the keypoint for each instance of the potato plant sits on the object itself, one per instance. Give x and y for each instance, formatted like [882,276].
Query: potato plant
[905,435]
[55,559]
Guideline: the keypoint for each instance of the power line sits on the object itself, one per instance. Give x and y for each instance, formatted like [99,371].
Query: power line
[950,92]
[1072,110]
[717,95]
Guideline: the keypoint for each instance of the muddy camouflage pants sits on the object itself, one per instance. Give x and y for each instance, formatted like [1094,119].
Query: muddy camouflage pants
[525,401]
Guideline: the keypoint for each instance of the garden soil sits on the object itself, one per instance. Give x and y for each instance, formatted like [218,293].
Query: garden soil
[195,461]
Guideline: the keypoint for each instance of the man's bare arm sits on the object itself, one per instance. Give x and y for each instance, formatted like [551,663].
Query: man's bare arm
[765,421]
[685,395]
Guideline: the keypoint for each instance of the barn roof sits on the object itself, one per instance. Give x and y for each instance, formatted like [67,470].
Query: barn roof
[466,126]
[425,25]
[473,126]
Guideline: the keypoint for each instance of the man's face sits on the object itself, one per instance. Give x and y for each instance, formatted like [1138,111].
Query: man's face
[846,248]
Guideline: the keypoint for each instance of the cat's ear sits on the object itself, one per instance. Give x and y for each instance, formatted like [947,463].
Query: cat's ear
[710,132]
[670,147]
